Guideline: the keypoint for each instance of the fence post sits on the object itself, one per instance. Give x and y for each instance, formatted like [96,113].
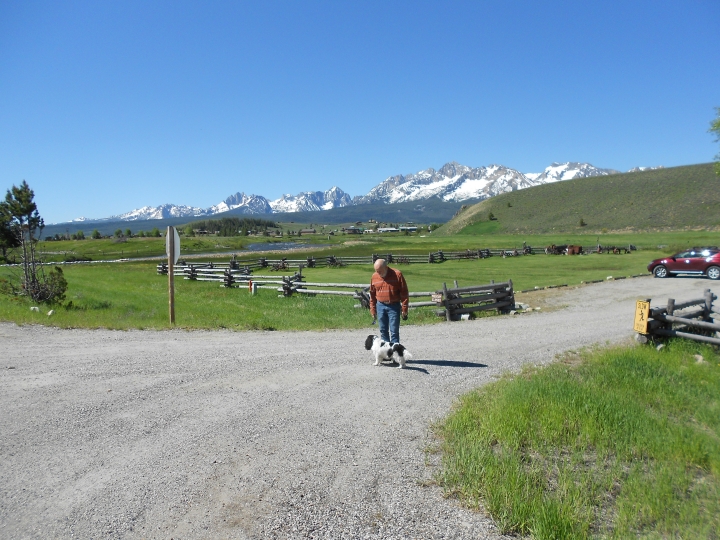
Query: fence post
[448,316]
[708,303]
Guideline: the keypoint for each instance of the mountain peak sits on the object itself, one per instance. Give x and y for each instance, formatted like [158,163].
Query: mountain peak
[452,182]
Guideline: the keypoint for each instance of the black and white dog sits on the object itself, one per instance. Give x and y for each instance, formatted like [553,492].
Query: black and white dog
[384,350]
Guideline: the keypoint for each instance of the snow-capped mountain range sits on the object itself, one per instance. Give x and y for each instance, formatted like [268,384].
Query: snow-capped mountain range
[452,182]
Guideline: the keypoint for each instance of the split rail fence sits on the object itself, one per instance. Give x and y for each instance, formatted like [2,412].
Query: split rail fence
[692,319]
[453,303]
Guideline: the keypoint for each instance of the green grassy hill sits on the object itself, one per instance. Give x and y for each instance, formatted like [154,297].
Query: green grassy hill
[677,197]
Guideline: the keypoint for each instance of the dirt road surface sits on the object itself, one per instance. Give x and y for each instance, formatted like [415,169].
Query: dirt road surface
[145,434]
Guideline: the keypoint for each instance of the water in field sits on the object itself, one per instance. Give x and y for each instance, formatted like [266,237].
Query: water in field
[281,246]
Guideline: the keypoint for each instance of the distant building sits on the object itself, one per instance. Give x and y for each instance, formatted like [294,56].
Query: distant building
[307,231]
[387,229]
[410,228]
[353,230]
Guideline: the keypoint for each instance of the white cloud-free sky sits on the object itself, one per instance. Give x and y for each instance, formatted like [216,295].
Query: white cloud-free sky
[109,106]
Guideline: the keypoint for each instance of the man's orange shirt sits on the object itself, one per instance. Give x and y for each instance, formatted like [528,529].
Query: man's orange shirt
[388,290]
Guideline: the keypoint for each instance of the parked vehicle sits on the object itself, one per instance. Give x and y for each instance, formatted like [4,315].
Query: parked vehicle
[702,261]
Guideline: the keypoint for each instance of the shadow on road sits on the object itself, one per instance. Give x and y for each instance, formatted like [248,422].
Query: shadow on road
[448,363]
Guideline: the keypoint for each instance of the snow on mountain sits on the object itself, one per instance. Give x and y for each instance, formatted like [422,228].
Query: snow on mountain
[568,171]
[640,169]
[452,182]
[312,200]
[243,204]
[159,212]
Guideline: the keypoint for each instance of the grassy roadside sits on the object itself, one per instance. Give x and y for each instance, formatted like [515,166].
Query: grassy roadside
[615,443]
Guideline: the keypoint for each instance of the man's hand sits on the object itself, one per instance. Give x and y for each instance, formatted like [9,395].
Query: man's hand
[374,320]
[404,316]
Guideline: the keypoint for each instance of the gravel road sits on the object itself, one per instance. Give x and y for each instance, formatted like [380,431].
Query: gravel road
[177,434]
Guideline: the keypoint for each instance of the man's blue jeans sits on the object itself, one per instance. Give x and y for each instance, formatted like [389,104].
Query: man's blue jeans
[389,320]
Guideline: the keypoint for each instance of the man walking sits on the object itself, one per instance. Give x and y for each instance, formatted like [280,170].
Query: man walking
[389,300]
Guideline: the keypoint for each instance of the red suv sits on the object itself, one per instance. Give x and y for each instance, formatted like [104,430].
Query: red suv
[699,261]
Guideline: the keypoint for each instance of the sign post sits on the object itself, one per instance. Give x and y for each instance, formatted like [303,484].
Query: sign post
[172,248]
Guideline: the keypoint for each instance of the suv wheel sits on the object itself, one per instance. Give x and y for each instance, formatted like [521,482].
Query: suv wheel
[713,272]
[660,271]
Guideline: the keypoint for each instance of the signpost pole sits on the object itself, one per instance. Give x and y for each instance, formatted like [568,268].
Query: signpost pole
[171,271]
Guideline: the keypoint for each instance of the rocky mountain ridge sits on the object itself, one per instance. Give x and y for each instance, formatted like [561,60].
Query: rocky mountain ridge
[452,182]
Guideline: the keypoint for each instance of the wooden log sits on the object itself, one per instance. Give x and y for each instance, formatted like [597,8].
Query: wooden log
[689,322]
[336,293]
[687,304]
[695,337]
[479,298]
[496,305]
[475,288]
[421,304]
[339,285]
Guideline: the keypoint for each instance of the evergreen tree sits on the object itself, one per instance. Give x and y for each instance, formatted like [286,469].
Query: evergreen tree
[22,219]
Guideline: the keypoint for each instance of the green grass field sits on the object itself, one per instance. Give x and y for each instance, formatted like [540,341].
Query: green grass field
[481,234]
[132,295]
[617,443]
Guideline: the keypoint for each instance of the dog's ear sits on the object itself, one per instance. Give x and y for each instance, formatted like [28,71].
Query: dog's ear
[400,349]
[369,342]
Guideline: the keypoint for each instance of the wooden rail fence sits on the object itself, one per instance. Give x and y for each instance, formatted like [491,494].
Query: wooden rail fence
[679,319]
[330,261]
[460,301]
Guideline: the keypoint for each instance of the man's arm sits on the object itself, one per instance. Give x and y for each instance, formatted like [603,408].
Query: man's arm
[373,301]
[404,296]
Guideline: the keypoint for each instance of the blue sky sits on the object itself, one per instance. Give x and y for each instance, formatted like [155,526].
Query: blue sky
[109,106]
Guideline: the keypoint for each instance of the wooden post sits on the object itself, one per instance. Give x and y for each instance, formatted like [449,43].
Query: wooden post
[708,303]
[448,317]
[171,271]
[671,306]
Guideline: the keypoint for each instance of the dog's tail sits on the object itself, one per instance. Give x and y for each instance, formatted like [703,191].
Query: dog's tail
[402,351]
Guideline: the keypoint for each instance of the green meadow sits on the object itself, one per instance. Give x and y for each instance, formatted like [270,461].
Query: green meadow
[615,443]
[131,294]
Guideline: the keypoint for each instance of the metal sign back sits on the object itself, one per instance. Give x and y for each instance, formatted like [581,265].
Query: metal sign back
[174,232]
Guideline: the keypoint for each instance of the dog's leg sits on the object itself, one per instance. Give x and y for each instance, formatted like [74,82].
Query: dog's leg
[401,361]
[377,360]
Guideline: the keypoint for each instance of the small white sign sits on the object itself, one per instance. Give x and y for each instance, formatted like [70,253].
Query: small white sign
[176,255]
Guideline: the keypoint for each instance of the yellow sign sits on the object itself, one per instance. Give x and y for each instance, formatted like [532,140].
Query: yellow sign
[642,312]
